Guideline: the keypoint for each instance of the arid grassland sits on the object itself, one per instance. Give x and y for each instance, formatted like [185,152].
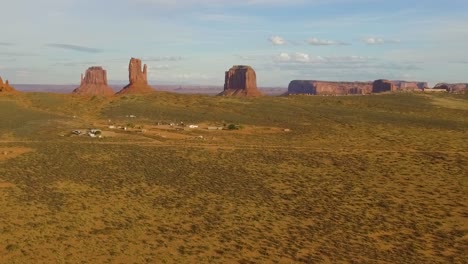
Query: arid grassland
[360,179]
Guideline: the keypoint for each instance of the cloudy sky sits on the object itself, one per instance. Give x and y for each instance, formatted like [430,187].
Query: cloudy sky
[195,41]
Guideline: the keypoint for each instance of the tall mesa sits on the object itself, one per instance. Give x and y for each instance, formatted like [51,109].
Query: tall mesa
[94,82]
[240,80]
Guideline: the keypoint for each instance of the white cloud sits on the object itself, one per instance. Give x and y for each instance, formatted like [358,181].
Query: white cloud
[379,41]
[277,40]
[301,57]
[297,57]
[324,42]
[374,41]
[283,57]
[304,58]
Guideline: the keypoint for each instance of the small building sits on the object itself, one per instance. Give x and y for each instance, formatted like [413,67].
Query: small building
[193,126]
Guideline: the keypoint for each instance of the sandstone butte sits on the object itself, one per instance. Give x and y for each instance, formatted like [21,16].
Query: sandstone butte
[5,87]
[94,82]
[138,80]
[453,87]
[240,80]
[314,87]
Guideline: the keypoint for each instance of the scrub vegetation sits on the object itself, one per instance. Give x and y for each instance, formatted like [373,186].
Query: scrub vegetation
[302,179]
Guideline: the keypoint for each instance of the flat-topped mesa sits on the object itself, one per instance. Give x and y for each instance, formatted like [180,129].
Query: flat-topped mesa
[240,80]
[453,87]
[5,87]
[94,82]
[381,86]
[313,87]
[138,79]
[409,86]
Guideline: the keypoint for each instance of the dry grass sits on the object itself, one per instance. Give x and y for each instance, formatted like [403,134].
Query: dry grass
[342,186]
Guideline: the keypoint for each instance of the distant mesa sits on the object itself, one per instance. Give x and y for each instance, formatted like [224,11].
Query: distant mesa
[240,80]
[5,87]
[313,87]
[453,87]
[138,79]
[407,86]
[381,86]
[94,82]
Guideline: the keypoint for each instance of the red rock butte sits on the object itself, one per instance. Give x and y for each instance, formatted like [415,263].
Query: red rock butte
[138,80]
[5,87]
[94,82]
[240,80]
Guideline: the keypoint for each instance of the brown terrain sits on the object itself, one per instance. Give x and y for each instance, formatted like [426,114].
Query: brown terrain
[138,79]
[328,88]
[5,87]
[94,83]
[241,80]
[348,179]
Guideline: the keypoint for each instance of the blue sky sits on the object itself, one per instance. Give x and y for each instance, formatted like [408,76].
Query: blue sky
[194,42]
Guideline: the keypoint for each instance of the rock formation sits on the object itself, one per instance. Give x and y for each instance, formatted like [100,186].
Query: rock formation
[409,86]
[313,87]
[453,87]
[5,87]
[381,86]
[94,82]
[138,79]
[240,80]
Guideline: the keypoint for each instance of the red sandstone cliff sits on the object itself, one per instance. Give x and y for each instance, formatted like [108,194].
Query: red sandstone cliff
[380,86]
[313,87]
[409,86]
[240,81]
[453,87]
[94,82]
[5,87]
[138,80]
